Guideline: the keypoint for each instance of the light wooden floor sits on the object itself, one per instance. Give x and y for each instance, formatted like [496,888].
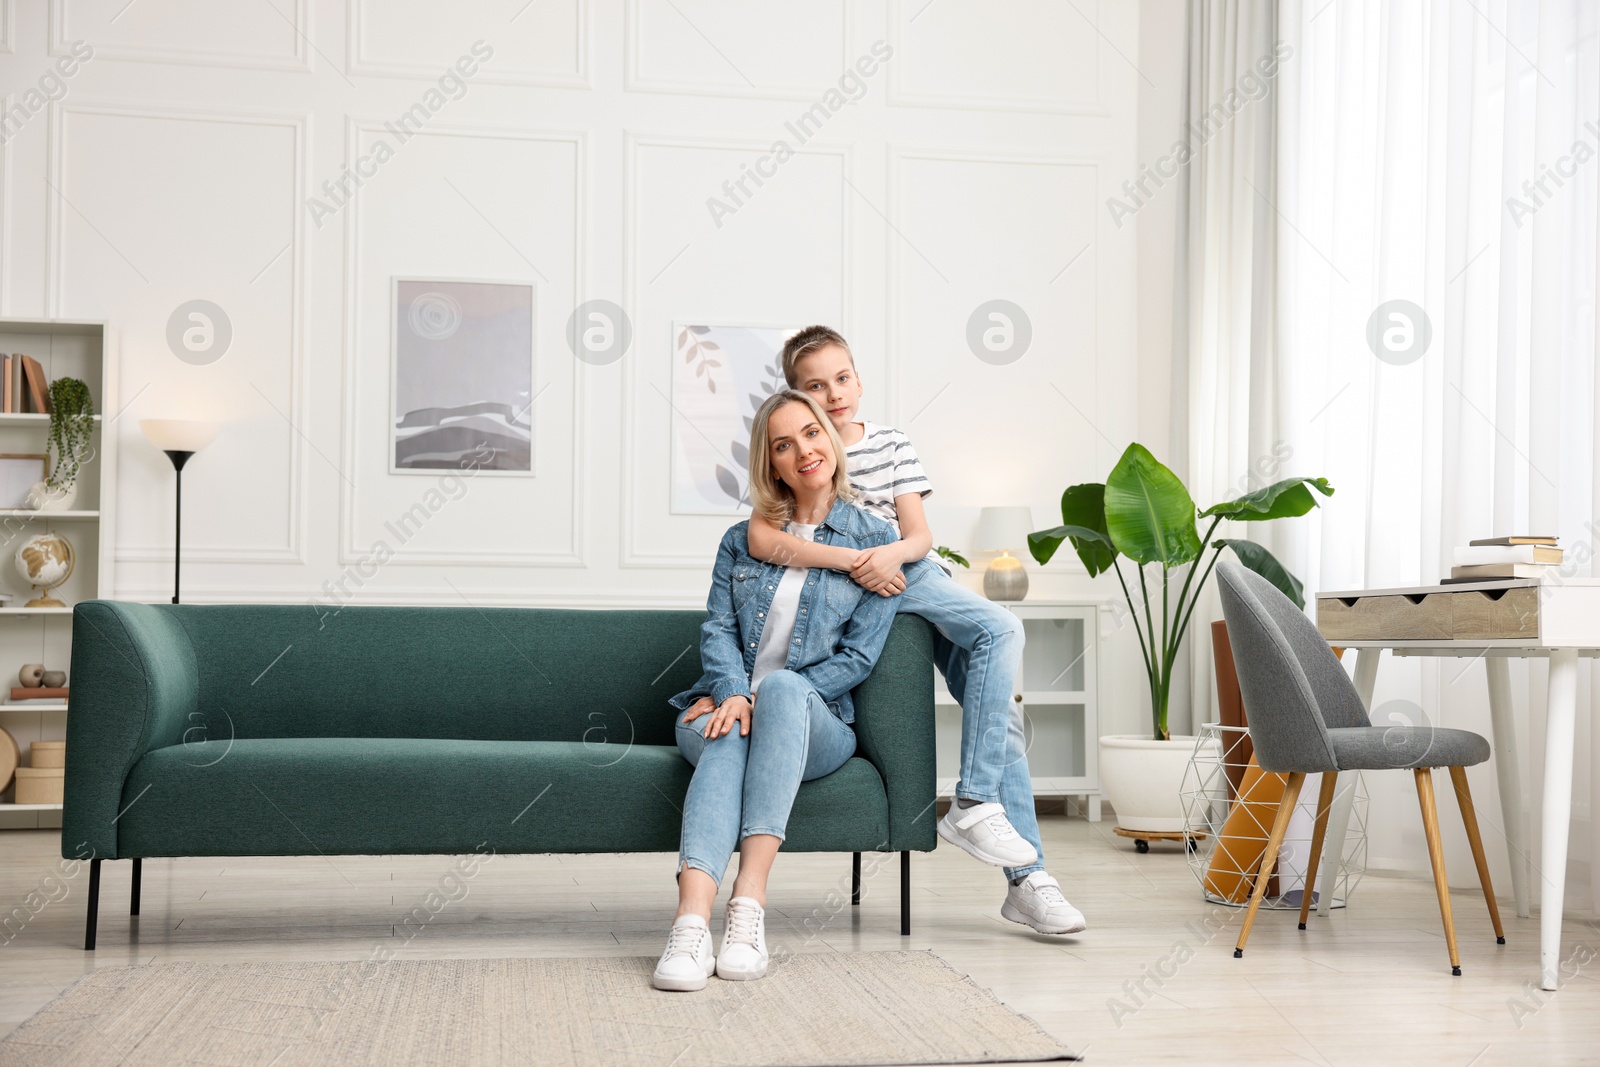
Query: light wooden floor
[1369,985]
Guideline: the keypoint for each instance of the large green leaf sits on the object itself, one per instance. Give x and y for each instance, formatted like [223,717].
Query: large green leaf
[1280,500]
[1264,563]
[1149,514]
[1083,518]
[1093,547]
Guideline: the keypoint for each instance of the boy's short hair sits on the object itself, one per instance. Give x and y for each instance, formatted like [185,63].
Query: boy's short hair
[807,341]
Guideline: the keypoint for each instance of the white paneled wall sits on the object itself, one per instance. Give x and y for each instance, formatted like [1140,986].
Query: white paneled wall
[936,156]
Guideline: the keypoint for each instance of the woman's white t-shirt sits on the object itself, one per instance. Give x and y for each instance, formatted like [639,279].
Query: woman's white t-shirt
[773,652]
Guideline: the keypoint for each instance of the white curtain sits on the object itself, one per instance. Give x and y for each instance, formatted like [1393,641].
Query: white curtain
[1226,437]
[1443,153]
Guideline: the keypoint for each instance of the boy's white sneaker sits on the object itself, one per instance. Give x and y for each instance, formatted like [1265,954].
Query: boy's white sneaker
[984,832]
[744,942]
[1038,903]
[687,962]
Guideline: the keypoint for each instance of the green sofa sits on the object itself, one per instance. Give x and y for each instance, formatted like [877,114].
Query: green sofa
[284,730]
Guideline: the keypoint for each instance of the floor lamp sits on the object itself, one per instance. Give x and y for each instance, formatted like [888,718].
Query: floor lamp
[179,439]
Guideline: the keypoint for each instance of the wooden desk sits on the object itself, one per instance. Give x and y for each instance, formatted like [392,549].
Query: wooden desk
[1494,621]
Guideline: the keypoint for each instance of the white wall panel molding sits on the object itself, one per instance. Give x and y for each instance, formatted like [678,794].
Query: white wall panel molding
[58,190]
[648,388]
[729,67]
[950,55]
[69,22]
[520,17]
[367,353]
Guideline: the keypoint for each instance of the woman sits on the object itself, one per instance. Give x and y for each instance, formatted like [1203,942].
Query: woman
[781,648]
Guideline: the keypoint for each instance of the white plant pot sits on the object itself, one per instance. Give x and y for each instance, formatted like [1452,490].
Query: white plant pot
[1143,779]
[43,498]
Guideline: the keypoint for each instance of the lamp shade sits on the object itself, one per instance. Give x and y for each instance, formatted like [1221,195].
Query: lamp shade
[179,435]
[1004,529]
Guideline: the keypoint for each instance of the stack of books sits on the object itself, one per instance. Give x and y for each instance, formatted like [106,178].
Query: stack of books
[1503,558]
[23,385]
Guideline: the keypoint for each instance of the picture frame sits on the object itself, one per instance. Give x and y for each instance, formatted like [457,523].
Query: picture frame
[18,473]
[721,373]
[462,368]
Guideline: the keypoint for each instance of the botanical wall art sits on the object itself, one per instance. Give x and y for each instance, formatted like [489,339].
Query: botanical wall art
[720,376]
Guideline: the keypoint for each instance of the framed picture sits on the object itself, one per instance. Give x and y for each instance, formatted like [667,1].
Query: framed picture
[720,375]
[18,472]
[462,387]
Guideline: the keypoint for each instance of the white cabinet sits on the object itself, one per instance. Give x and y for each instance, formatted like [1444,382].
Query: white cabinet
[1057,687]
[84,350]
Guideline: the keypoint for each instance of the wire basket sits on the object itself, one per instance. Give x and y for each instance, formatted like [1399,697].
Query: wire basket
[1229,805]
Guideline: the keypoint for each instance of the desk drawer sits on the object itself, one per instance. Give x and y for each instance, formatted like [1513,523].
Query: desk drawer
[1475,614]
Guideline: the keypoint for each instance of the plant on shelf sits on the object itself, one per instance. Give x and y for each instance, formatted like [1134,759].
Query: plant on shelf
[71,423]
[1143,511]
[946,552]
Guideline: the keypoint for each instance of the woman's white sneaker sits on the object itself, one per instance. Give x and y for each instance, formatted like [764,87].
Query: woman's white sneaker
[687,963]
[984,832]
[1039,903]
[744,942]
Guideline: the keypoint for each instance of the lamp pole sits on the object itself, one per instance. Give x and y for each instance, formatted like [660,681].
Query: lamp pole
[179,458]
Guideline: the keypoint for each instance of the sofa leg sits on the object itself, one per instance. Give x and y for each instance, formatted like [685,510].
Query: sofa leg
[94,905]
[137,870]
[855,879]
[905,894]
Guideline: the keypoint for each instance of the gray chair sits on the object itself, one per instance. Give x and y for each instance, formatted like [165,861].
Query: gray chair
[1306,717]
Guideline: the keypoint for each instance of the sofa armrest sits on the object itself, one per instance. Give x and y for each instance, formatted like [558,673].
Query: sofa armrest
[895,731]
[135,685]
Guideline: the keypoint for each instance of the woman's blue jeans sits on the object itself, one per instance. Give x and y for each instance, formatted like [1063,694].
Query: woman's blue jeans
[746,785]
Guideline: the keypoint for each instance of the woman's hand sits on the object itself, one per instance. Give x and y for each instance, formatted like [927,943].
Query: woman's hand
[877,570]
[736,709]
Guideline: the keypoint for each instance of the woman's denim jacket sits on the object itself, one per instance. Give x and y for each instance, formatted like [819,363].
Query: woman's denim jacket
[839,628]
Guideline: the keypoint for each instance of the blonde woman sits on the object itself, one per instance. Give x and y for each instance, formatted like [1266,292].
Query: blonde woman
[780,650]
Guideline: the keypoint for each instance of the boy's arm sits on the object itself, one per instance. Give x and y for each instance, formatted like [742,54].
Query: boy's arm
[772,545]
[876,567]
[916,539]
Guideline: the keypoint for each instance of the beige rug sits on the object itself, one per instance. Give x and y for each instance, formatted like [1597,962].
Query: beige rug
[813,1008]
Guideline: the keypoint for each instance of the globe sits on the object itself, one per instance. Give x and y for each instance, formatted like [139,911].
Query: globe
[45,561]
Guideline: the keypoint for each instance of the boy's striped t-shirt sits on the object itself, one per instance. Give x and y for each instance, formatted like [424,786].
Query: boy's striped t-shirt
[884,465]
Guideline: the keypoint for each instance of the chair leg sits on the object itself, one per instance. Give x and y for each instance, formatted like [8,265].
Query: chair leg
[905,894]
[1458,777]
[1324,805]
[855,880]
[1430,827]
[137,871]
[93,918]
[1269,859]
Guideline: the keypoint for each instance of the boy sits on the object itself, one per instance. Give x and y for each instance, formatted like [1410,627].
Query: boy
[979,644]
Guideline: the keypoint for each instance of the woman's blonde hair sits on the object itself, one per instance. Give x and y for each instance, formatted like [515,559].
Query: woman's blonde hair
[771,497]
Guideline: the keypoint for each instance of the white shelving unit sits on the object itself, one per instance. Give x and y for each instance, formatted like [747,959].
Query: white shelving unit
[79,349]
[1058,687]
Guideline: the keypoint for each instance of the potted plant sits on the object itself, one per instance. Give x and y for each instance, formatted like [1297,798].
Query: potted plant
[1144,512]
[71,423]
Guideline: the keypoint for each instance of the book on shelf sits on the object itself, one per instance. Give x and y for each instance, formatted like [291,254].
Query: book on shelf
[1481,555]
[39,692]
[7,400]
[19,398]
[38,384]
[1498,570]
[1516,539]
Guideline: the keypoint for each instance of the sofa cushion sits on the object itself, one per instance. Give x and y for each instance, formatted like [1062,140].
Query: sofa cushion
[490,674]
[385,795]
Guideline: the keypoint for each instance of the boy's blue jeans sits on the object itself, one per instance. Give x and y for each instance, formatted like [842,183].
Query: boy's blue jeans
[978,651]
[746,785]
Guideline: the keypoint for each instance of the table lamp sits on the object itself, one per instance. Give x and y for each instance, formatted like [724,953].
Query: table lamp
[1004,530]
[179,439]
